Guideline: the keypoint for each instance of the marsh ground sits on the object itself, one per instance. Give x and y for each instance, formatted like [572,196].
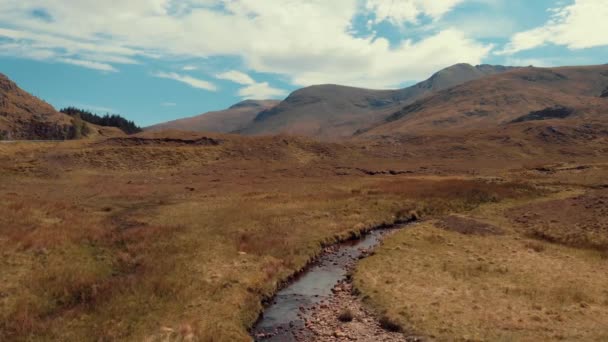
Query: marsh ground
[515,271]
[181,236]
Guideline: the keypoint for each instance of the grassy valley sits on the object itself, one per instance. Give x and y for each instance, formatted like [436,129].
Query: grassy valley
[172,235]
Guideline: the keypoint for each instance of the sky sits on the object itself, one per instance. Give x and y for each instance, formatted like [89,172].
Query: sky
[157,60]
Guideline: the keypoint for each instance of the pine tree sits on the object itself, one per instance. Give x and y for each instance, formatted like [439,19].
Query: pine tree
[108,120]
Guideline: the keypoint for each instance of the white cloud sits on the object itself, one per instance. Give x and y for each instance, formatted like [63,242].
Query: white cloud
[189,80]
[580,25]
[189,68]
[236,77]
[168,104]
[308,42]
[402,11]
[479,25]
[261,91]
[88,64]
[252,89]
[18,49]
[375,65]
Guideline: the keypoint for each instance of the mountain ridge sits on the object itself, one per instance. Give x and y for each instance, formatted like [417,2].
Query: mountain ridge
[504,98]
[228,120]
[331,111]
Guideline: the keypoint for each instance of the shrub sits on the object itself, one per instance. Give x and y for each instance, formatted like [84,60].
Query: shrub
[346,316]
[79,129]
[388,323]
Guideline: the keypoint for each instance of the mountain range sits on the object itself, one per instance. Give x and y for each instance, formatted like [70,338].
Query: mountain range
[329,111]
[456,99]
[524,94]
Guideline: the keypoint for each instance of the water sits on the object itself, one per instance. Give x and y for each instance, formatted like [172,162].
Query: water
[280,319]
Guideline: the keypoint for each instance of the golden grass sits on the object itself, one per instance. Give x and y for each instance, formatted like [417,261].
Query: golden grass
[118,248]
[452,286]
[106,242]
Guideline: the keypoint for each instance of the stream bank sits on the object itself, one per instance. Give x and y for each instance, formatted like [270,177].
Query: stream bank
[308,308]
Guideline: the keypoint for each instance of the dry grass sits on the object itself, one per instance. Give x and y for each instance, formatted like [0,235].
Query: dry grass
[107,242]
[454,286]
[165,242]
[580,221]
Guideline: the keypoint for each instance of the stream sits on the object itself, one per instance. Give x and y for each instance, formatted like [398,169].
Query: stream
[284,319]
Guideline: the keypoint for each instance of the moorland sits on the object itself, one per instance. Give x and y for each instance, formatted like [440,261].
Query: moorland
[173,235]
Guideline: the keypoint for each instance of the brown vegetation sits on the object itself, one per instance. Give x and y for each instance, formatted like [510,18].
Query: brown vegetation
[541,278]
[136,237]
[120,238]
[581,221]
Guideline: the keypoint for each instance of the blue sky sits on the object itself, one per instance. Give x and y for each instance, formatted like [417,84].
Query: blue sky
[158,60]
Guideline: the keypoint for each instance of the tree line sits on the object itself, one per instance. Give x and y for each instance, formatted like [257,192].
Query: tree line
[110,120]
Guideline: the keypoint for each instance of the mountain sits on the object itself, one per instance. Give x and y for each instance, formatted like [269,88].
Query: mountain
[333,111]
[223,121]
[26,117]
[520,95]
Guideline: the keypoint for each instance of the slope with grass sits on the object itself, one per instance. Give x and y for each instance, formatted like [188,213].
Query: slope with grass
[25,117]
[521,94]
[332,111]
[224,121]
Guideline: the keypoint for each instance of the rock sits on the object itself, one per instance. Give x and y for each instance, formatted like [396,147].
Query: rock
[339,333]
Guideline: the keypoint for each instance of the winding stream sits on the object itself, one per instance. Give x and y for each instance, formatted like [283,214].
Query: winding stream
[284,318]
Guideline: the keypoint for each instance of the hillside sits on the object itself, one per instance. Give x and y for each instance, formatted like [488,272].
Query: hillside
[525,94]
[222,121]
[26,117]
[23,116]
[334,111]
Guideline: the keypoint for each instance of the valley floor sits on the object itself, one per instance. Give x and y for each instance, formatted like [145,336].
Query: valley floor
[160,239]
[491,275]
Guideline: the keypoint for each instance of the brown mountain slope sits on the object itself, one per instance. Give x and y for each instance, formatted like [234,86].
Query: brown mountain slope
[333,111]
[223,121]
[525,94]
[25,117]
